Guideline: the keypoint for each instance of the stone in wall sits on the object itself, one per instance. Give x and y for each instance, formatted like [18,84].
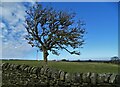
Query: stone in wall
[49,73]
[68,77]
[34,70]
[78,77]
[86,77]
[29,69]
[107,77]
[22,67]
[45,70]
[101,78]
[55,74]
[5,66]
[42,71]
[62,76]
[117,80]
[112,78]
[93,78]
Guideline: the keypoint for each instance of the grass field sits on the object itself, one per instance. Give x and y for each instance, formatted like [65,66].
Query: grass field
[72,66]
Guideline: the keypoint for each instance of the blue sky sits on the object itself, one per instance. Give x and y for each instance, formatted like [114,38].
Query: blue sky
[101,20]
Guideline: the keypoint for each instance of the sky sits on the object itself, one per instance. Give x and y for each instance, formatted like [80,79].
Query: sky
[101,41]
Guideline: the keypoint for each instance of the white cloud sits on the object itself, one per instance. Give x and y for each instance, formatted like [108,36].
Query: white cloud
[13,30]
[11,51]
[2,25]
[12,20]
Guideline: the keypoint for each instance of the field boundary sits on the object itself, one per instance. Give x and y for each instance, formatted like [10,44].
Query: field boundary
[52,77]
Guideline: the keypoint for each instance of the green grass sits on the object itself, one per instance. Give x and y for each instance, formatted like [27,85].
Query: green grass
[72,67]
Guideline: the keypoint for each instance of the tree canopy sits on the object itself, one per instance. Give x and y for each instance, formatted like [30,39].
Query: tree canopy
[53,30]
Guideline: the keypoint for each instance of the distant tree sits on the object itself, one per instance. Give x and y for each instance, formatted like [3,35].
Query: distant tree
[89,60]
[115,59]
[53,30]
[78,60]
[63,60]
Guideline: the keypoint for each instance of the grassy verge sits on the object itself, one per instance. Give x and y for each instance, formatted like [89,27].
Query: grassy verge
[72,67]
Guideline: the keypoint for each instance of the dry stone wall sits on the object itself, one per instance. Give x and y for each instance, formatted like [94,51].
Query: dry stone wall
[14,75]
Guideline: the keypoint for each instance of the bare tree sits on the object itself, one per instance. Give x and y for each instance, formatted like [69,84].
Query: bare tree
[53,30]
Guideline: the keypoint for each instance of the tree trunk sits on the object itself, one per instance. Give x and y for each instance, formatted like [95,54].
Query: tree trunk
[45,54]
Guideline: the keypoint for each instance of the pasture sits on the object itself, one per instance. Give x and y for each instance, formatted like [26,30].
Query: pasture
[71,67]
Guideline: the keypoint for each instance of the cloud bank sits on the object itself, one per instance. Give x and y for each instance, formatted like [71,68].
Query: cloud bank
[12,30]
